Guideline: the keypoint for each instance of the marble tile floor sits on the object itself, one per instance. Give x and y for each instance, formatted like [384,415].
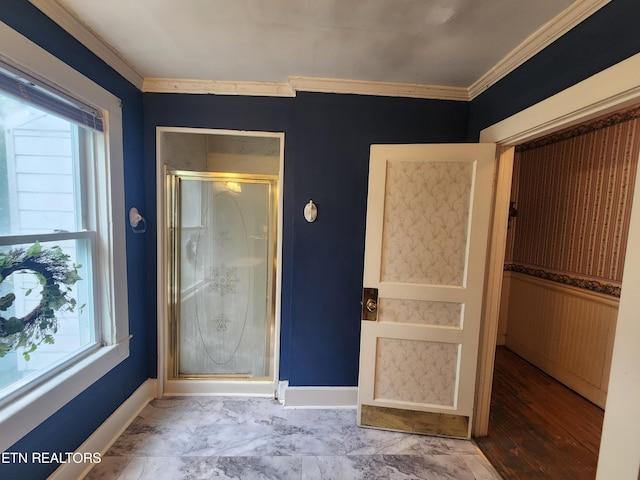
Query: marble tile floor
[257,439]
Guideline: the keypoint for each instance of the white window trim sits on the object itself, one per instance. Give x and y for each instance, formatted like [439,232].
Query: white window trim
[23,414]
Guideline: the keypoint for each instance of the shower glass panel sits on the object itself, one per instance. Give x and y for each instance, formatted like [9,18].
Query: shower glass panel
[222,229]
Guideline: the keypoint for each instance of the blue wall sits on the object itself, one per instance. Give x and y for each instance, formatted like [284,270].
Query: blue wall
[327,139]
[331,139]
[70,426]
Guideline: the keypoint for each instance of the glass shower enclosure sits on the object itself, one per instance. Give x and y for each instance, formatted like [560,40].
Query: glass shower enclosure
[222,244]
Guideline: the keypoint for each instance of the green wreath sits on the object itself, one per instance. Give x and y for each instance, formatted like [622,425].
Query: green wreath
[56,275]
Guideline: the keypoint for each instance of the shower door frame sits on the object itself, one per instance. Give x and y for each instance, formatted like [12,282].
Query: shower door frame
[175,294]
[166,385]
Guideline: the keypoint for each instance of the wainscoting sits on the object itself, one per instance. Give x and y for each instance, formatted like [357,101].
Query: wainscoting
[565,331]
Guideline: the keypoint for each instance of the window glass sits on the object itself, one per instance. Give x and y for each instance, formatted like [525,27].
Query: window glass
[47,241]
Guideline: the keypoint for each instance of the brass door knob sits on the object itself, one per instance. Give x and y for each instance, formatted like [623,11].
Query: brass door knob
[371,305]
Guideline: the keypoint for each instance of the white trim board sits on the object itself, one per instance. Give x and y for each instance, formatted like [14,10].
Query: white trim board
[318,397]
[304,84]
[544,36]
[385,89]
[106,434]
[217,87]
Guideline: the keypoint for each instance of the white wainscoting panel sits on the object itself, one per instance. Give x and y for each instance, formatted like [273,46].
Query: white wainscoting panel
[565,331]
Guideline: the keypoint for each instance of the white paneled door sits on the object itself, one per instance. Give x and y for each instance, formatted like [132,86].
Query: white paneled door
[428,215]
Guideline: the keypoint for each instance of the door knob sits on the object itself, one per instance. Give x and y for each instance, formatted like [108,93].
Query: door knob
[370,304]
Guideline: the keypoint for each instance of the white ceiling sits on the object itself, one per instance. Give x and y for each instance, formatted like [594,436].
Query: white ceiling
[451,43]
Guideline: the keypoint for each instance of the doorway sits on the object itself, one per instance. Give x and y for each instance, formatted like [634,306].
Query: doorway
[563,270]
[598,95]
[219,192]
[221,274]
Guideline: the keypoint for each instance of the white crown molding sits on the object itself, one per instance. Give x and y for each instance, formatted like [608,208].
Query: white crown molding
[181,85]
[385,89]
[536,42]
[303,84]
[89,39]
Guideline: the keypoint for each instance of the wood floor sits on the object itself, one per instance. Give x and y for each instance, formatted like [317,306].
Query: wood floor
[538,428]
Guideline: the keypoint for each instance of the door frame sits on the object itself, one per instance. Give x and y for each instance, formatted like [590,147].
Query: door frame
[200,387]
[610,90]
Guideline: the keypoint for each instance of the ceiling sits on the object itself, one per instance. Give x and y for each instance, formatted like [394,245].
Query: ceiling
[457,44]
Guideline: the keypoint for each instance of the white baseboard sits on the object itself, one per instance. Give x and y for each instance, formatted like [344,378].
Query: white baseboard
[318,397]
[107,433]
[282,388]
[219,387]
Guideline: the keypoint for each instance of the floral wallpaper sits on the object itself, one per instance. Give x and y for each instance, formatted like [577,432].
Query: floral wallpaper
[431,197]
[416,371]
[420,312]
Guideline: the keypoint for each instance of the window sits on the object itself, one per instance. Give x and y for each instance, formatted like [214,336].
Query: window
[47,223]
[63,298]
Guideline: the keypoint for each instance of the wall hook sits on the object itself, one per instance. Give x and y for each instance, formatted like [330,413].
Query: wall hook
[137,221]
[310,212]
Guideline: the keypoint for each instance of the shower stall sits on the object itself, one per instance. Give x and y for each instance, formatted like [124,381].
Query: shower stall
[221,261]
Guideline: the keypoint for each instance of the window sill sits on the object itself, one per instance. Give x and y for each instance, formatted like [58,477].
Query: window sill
[27,412]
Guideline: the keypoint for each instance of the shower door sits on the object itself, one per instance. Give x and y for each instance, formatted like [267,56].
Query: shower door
[222,272]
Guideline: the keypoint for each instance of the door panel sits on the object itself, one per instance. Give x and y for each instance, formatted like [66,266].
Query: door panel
[427,224]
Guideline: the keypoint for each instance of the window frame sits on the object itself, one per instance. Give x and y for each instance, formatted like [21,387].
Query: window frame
[28,410]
